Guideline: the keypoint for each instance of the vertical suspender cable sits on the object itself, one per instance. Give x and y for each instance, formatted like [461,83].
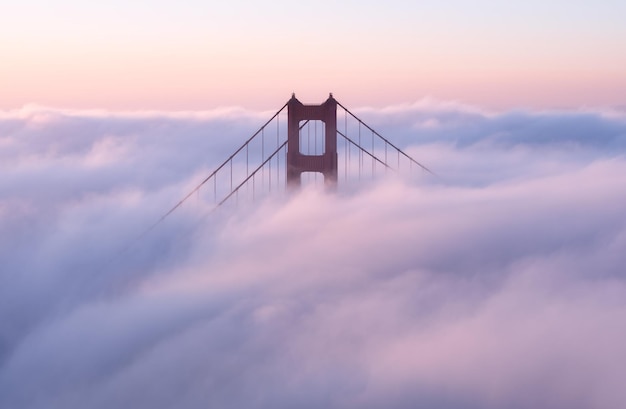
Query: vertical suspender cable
[262,157]
[285,164]
[278,153]
[345,145]
[373,161]
[269,174]
[349,154]
[277,130]
[315,143]
[386,163]
[315,150]
[360,152]
[247,165]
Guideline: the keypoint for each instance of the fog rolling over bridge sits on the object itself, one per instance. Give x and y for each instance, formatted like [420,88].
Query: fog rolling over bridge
[497,283]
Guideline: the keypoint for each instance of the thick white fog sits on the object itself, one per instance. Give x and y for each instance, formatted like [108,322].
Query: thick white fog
[499,284]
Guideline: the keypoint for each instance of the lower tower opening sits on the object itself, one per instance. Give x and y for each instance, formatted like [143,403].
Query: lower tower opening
[309,179]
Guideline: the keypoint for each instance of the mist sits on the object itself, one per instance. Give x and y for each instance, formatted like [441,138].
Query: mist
[497,283]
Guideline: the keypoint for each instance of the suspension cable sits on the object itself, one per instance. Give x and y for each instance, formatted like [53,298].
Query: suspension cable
[252,174]
[194,190]
[364,150]
[400,151]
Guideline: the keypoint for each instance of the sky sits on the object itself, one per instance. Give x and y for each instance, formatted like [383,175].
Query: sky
[496,283]
[196,55]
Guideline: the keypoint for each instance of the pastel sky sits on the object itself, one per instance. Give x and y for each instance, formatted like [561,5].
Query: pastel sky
[191,54]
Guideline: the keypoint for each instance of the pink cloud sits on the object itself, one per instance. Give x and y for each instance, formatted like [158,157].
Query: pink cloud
[498,285]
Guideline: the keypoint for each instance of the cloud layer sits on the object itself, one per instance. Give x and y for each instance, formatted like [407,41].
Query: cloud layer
[500,284]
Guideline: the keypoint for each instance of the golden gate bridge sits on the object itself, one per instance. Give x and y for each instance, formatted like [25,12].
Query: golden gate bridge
[325,142]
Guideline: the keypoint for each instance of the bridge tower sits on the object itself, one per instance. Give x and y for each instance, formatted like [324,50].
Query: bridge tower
[297,162]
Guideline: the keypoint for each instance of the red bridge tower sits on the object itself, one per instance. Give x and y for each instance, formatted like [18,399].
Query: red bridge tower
[297,162]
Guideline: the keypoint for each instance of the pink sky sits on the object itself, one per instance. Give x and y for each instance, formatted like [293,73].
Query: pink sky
[198,56]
